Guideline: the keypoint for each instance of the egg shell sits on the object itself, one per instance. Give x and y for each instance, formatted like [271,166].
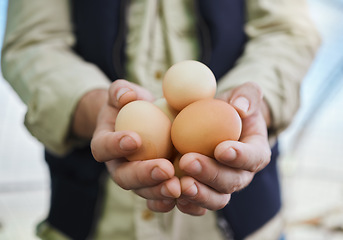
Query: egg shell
[186,82]
[202,125]
[162,104]
[152,125]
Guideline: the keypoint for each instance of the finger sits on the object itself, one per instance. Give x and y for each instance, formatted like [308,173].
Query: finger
[253,154]
[210,172]
[170,189]
[122,92]
[246,98]
[202,195]
[187,207]
[161,205]
[140,174]
[108,145]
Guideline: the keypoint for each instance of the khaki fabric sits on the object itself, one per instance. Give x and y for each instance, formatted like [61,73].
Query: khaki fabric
[127,217]
[160,33]
[38,62]
[282,42]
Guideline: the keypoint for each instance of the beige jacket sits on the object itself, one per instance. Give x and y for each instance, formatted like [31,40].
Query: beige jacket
[50,78]
[38,61]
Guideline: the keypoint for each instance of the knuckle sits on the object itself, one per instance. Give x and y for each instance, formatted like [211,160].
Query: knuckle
[213,178]
[95,155]
[266,159]
[205,199]
[118,178]
[121,183]
[254,86]
[268,155]
[113,87]
[237,184]
[224,201]
[218,203]
[216,181]
[262,162]
[258,166]
[94,151]
[117,83]
[256,89]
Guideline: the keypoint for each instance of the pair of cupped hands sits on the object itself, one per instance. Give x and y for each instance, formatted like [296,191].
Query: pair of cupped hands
[208,183]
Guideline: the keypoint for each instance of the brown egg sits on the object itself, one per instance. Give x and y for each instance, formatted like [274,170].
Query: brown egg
[186,82]
[152,125]
[202,125]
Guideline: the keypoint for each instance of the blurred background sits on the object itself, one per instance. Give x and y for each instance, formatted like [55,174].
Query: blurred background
[311,165]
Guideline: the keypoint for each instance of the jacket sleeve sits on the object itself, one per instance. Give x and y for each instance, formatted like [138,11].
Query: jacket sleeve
[39,63]
[282,42]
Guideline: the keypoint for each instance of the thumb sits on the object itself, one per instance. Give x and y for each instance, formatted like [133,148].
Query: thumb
[246,99]
[122,92]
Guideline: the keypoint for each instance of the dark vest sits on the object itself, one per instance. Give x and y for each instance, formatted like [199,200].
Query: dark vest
[76,179]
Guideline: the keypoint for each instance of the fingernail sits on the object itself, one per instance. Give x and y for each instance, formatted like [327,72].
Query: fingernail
[158,174]
[121,92]
[191,191]
[165,192]
[127,143]
[241,103]
[229,153]
[194,167]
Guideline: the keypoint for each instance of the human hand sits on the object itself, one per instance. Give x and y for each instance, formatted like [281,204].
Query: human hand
[152,179]
[209,182]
